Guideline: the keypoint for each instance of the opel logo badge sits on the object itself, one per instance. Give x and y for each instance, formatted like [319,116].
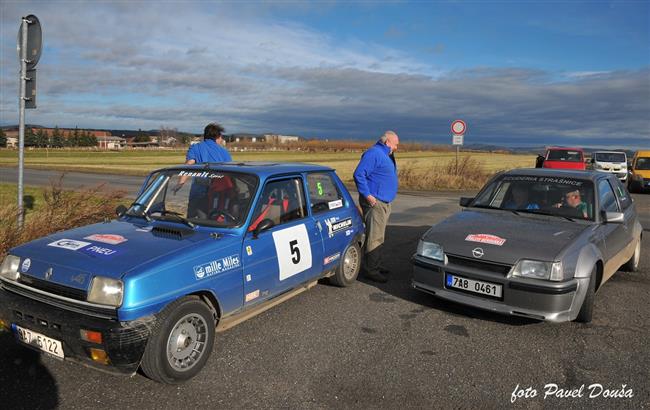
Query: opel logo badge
[477,252]
[48,274]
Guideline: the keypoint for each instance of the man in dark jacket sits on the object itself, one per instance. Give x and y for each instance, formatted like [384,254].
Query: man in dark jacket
[376,180]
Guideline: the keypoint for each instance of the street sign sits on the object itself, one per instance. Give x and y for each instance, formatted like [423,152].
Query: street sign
[457,140]
[458,127]
[34,41]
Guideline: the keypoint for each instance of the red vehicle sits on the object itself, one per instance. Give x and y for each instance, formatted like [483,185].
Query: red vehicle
[564,158]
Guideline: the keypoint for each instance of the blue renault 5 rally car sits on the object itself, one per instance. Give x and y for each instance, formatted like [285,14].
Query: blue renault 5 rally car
[202,248]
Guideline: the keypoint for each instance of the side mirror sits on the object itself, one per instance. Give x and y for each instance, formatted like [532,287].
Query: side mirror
[614,217]
[263,226]
[120,210]
[465,201]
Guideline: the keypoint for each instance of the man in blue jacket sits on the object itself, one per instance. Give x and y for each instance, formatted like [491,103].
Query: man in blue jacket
[376,180]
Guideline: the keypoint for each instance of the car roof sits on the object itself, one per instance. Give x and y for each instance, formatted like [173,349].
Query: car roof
[263,169]
[609,152]
[642,153]
[565,148]
[561,173]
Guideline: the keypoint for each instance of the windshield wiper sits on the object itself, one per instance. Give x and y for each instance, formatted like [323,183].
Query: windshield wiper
[536,212]
[141,214]
[486,207]
[179,217]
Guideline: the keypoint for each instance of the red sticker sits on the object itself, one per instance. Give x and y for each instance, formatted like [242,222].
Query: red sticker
[107,238]
[485,238]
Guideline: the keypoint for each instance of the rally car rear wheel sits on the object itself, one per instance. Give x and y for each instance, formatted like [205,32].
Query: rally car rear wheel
[182,344]
[348,270]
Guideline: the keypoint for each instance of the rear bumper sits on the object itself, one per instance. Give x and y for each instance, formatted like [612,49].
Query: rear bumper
[124,342]
[541,300]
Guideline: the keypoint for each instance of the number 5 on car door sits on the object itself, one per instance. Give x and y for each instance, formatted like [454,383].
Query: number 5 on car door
[293,249]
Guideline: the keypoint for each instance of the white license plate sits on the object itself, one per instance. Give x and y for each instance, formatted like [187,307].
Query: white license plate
[42,342]
[474,286]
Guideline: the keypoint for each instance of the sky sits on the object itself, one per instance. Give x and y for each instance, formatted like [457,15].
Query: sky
[518,72]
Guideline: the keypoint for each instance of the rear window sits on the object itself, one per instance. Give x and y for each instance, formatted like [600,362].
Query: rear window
[564,155]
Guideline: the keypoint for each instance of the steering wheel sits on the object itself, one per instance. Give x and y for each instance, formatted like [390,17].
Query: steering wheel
[216,213]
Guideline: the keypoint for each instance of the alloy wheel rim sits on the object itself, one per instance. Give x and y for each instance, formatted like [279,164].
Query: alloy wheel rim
[187,342]
[350,263]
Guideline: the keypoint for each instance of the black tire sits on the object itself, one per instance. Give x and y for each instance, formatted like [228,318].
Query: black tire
[189,325]
[348,269]
[632,187]
[587,310]
[633,264]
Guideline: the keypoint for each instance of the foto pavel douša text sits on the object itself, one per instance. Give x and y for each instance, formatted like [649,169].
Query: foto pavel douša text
[553,391]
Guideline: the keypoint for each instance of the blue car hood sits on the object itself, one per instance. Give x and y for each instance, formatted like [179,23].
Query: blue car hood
[108,249]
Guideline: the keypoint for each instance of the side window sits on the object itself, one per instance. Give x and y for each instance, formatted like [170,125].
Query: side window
[622,195]
[281,201]
[606,197]
[323,192]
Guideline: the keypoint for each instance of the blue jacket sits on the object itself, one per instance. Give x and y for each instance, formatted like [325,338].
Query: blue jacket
[376,173]
[208,151]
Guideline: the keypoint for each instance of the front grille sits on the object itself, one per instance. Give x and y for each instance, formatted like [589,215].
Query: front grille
[500,268]
[83,308]
[53,288]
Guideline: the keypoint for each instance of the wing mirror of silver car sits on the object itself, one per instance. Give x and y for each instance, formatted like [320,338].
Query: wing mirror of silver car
[614,217]
[465,201]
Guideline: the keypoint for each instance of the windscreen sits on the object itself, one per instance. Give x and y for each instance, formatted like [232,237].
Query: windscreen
[202,197]
[610,157]
[564,155]
[565,197]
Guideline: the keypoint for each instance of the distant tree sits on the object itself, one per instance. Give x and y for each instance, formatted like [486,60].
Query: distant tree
[41,139]
[73,139]
[141,137]
[30,138]
[57,140]
[92,140]
[3,139]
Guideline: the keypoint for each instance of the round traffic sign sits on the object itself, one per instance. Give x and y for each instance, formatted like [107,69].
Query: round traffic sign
[34,40]
[458,127]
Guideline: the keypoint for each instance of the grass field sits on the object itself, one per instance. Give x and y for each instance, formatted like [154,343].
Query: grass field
[141,162]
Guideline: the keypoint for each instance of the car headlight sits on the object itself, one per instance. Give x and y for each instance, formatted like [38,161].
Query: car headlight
[431,250]
[9,268]
[106,291]
[538,270]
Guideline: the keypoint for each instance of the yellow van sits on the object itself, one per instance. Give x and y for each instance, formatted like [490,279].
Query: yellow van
[640,172]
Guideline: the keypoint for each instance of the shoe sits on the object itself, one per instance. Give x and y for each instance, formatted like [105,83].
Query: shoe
[376,277]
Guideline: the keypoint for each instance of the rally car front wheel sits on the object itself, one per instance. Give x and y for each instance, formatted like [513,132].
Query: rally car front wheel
[181,345]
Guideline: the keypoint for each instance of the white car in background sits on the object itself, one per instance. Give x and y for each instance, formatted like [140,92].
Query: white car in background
[614,162]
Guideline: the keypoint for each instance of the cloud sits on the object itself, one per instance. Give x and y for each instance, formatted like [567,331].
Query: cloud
[117,65]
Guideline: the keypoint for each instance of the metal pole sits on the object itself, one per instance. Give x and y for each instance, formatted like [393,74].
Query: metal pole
[457,149]
[21,121]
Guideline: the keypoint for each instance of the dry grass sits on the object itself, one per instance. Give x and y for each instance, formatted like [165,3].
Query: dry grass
[468,174]
[58,210]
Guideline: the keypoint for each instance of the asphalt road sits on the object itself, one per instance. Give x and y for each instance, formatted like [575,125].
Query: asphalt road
[379,346]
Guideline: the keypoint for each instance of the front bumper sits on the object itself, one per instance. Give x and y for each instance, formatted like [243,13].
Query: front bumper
[124,342]
[536,299]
